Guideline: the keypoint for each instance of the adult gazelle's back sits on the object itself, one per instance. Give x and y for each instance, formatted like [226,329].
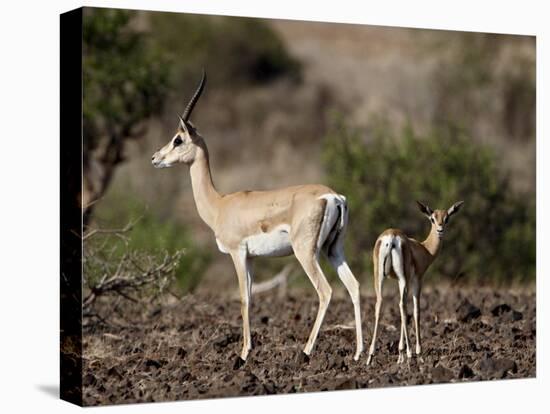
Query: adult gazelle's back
[303,220]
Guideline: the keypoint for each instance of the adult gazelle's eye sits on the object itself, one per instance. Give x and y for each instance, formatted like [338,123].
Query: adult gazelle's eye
[446,219]
[432,220]
[177,141]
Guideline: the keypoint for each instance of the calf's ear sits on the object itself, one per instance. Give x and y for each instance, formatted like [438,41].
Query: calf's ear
[427,211]
[454,208]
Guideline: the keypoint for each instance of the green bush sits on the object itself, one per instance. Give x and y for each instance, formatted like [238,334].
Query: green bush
[248,50]
[155,236]
[382,172]
[125,77]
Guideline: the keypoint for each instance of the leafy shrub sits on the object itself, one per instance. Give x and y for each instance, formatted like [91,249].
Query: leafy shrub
[382,172]
[125,77]
[155,236]
[125,81]
[487,79]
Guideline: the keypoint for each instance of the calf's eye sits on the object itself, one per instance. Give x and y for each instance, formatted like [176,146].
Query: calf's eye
[177,141]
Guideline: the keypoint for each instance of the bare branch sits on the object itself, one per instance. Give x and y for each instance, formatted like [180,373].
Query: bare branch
[130,276]
[116,232]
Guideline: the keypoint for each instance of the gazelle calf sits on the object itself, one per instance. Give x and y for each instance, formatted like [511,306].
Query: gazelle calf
[398,256]
[303,220]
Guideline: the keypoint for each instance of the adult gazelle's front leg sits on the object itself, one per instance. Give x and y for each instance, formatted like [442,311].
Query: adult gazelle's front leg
[243,269]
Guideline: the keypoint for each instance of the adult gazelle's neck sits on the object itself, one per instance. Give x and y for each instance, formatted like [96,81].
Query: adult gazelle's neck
[204,192]
[432,243]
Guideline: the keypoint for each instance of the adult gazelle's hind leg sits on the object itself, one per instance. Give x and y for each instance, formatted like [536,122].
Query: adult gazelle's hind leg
[338,261]
[304,236]
[398,268]
[310,263]
[242,266]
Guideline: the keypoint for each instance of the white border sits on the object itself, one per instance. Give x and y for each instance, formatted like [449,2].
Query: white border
[29,208]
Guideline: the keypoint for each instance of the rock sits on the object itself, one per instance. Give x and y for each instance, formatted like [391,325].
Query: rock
[516,316]
[442,374]
[186,376]
[336,361]
[500,309]
[346,384]
[113,372]
[223,340]
[465,372]
[505,310]
[152,363]
[497,368]
[89,380]
[264,320]
[269,388]
[467,311]
[181,352]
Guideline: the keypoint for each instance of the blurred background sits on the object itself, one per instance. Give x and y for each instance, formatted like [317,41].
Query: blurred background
[385,116]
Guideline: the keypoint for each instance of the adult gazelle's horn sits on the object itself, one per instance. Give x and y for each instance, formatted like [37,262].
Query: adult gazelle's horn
[195,98]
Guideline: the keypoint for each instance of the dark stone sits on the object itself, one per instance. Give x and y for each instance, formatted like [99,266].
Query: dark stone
[467,311]
[270,388]
[497,368]
[89,380]
[223,340]
[516,316]
[465,372]
[152,363]
[442,374]
[505,310]
[181,352]
[336,361]
[186,376]
[346,384]
[265,320]
[500,309]
[113,372]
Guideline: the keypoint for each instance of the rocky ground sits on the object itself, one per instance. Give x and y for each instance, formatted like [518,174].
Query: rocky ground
[187,349]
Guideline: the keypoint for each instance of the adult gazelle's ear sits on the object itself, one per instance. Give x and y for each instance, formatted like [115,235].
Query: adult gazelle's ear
[427,211]
[454,208]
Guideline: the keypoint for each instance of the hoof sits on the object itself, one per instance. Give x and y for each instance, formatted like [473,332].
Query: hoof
[239,362]
[369,359]
[244,354]
[302,358]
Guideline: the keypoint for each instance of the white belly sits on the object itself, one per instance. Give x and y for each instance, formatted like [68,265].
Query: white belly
[275,243]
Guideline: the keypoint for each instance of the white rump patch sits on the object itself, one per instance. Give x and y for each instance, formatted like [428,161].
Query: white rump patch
[391,255]
[275,243]
[335,202]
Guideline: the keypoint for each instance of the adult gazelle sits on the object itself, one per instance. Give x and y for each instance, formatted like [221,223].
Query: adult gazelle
[303,220]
